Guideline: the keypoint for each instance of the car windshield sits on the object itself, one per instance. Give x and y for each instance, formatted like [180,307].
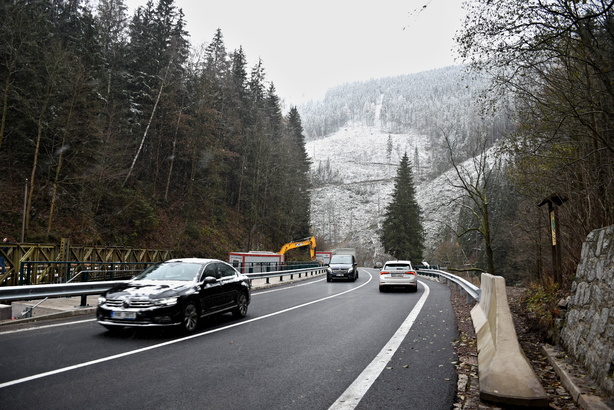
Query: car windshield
[341,259]
[171,271]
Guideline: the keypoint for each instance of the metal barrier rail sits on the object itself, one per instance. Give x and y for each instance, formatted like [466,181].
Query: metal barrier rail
[471,290]
[30,292]
[267,267]
[281,274]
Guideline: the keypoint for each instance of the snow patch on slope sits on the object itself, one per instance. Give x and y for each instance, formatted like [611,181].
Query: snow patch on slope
[349,211]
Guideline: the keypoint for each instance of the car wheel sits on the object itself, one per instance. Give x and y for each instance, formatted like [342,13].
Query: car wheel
[381,289]
[329,279]
[190,317]
[241,309]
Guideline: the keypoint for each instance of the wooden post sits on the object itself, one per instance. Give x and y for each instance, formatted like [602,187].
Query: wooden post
[554,201]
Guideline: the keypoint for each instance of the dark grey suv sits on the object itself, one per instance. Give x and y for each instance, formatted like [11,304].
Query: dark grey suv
[342,267]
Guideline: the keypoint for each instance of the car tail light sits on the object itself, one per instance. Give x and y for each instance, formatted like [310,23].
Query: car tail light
[411,272]
[383,272]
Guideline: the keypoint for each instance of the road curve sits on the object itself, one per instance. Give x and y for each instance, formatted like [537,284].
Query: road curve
[306,345]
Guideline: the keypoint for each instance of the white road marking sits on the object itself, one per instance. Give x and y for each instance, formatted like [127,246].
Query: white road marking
[171,342]
[353,394]
[255,293]
[45,327]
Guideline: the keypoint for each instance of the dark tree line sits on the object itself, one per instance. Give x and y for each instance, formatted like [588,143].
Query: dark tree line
[402,233]
[125,135]
[555,58]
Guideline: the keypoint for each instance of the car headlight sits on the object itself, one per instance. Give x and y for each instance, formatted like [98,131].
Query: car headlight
[101,300]
[165,301]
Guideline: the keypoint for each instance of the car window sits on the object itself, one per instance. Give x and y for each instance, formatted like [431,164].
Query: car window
[225,270]
[398,266]
[211,270]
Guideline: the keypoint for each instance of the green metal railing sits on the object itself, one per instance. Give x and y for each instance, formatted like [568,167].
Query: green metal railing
[31,272]
[15,257]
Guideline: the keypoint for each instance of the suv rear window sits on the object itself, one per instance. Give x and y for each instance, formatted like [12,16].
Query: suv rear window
[398,266]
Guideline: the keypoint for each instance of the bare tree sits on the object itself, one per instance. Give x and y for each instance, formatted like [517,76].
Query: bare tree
[555,58]
[473,179]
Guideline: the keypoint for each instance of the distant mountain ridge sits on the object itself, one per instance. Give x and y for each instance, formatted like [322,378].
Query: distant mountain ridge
[414,102]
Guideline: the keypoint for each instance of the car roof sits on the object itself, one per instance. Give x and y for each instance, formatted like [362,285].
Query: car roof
[194,260]
[400,262]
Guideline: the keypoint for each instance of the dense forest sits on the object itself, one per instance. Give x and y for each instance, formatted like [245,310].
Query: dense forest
[115,130]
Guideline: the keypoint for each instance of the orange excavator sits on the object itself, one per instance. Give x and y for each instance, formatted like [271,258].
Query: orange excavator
[311,242]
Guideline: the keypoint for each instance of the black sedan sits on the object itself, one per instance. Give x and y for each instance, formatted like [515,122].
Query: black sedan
[177,292]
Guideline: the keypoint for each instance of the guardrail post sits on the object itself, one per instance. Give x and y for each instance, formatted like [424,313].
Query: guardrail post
[85,278]
[83,301]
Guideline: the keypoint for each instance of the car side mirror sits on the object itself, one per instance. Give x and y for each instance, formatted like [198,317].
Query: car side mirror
[210,279]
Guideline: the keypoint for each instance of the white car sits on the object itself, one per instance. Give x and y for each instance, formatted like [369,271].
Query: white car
[398,274]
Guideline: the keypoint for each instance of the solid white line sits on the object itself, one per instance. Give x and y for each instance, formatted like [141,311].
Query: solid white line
[353,394]
[255,293]
[170,342]
[8,332]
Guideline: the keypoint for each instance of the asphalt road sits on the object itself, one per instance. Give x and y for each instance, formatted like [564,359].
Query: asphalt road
[306,345]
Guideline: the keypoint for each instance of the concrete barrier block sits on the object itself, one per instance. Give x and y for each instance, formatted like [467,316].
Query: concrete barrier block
[505,373]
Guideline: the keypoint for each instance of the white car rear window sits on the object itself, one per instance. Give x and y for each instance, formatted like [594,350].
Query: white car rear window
[397,266]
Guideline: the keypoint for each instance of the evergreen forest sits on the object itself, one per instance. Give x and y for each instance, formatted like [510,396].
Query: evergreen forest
[116,131]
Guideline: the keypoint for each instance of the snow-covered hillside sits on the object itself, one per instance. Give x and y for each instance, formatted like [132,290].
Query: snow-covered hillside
[349,133]
[349,211]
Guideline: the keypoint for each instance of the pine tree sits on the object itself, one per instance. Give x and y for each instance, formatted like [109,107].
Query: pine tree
[402,232]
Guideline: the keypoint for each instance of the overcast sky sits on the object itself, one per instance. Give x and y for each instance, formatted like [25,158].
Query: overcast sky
[310,46]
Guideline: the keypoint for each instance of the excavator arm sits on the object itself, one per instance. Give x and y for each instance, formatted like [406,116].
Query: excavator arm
[311,242]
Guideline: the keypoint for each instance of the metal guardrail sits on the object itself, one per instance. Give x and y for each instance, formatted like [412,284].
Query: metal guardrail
[471,289]
[290,272]
[267,267]
[31,292]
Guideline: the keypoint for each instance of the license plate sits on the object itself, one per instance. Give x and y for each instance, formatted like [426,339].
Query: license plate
[339,274]
[397,275]
[123,315]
